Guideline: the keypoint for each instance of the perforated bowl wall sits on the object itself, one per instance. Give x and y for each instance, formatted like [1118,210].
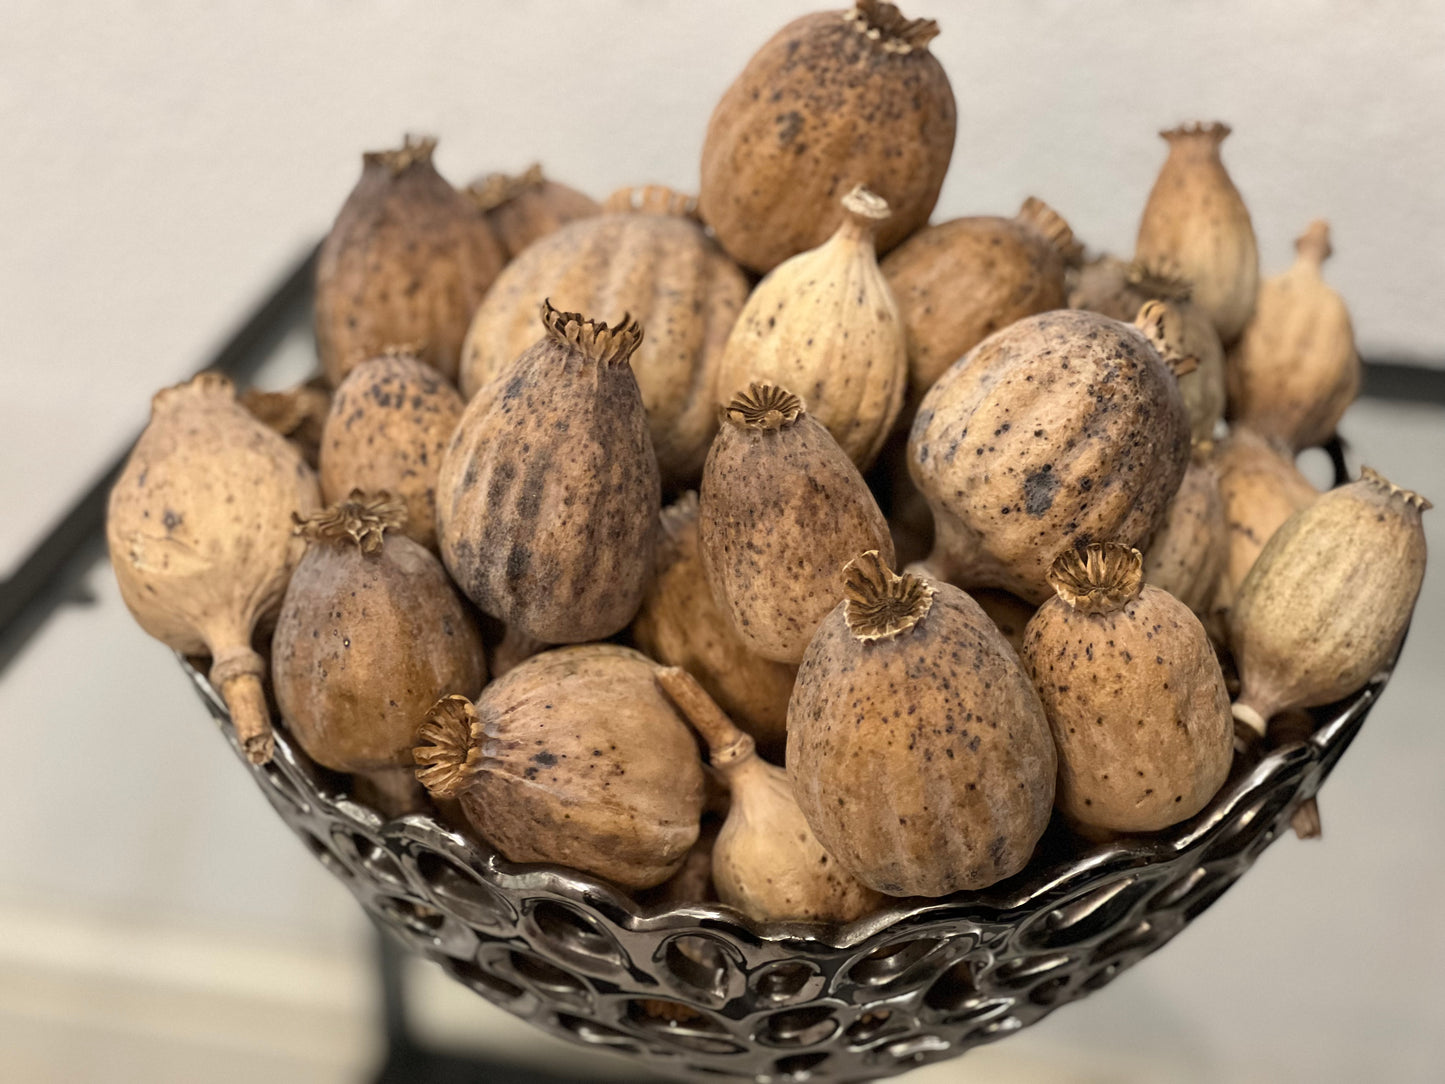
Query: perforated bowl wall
[702,993]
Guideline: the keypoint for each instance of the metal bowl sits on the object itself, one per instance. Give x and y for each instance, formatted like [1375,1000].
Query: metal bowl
[703,993]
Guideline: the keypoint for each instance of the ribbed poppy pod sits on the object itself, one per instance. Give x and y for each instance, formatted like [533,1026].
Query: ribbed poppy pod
[834,99]
[917,748]
[199,531]
[388,425]
[825,322]
[1196,218]
[529,205]
[1189,551]
[575,757]
[1133,691]
[1328,600]
[407,261]
[371,633]
[548,496]
[781,511]
[960,281]
[1295,369]
[766,862]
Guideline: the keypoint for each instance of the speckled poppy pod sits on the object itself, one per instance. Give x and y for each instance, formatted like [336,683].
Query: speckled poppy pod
[782,509]
[548,497]
[1133,691]
[681,624]
[1328,600]
[960,281]
[199,532]
[654,261]
[407,261]
[522,208]
[1196,218]
[370,634]
[834,99]
[1295,369]
[574,757]
[825,322]
[1060,429]
[389,423]
[917,748]
[766,862]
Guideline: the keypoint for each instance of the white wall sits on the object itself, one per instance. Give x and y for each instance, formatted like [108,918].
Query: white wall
[161,161]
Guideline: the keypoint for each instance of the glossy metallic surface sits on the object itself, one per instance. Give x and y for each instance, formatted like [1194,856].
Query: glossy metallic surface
[702,993]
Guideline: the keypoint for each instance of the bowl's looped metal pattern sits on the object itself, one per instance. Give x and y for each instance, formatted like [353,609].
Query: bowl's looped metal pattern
[704,994]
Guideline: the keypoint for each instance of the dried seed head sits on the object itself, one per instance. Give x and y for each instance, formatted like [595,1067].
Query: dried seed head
[363,518]
[415,150]
[651,199]
[1375,478]
[867,205]
[1214,132]
[610,347]
[495,189]
[1163,326]
[882,604]
[1051,226]
[1160,277]
[448,746]
[764,406]
[884,23]
[1101,578]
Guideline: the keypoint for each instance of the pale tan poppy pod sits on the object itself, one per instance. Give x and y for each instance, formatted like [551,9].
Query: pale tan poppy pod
[1261,488]
[782,509]
[199,531]
[1328,600]
[1196,218]
[960,281]
[1295,369]
[825,322]
[1188,553]
[834,99]
[407,261]
[574,757]
[653,261]
[1133,691]
[524,207]
[681,624]
[766,862]
[917,748]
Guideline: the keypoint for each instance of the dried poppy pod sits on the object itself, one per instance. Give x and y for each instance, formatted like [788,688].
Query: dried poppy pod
[1295,369]
[825,322]
[529,205]
[681,624]
[1133,692]
[297,413]
[389,423]
[575,757]
[1196,218]
[407,261]
[548,496]
[199,531]
[1188,553]
[766,862]
[782,510]
[665,271]
[917,748]
[1328,600]
[958,282]
[1121,290]
[1261,488]
[834,99]
[371,633]
[1062,428]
